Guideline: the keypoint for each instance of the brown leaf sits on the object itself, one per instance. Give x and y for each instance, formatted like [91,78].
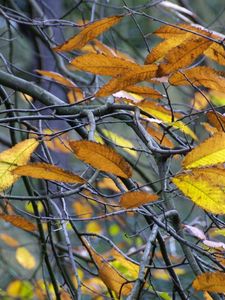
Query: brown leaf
[135,199]
[48,172]
[58,78]
[210,282]
[101,64]
[143,73]
[18,221]
[216,119]
[216,52]
[101,157]
[198,76]
[159,136]
[90,32]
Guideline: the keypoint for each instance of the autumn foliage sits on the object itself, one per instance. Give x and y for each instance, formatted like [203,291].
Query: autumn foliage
[140,199]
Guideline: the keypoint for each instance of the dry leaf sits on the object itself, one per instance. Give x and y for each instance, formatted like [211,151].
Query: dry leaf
[196,232]
[137,198]
[209,152]
[217,120]
[101,157]
[159,136]
[75,95]
[183,55]
[13,157]
[90,32]
[101,64]
[25,258]
[143,73]
[48,172]
[198,76]
[144,91]
[58,78]
[210,282]
[200,101]
[19,222]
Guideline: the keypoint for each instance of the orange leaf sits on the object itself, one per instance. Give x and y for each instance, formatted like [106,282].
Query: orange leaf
[210,152]
[198,76]
[75,95]
[216,52]
[210,282]
[159,136]
[48,172]
[58,78]
[18,221]
[144,91]
[183,55]
[216,119]
[101,64]
[143,73]
[101,157]
[135,199]
[90,32]
[8,240]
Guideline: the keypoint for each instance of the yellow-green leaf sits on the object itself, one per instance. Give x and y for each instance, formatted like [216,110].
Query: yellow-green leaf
[137,198]
[25,258]
[101,157]
[210,282]
[12,158]
[210,152]
[90,32]
[101,64]
[202,190]
[48,172]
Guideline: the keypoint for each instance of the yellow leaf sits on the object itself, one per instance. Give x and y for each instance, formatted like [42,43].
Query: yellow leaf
[207,296]
[200,101]
[209,152]
[108,183]
[90,32]
[101,157]
[13,157]
[58,78]
[112,278]
[25,258]
[217,120]
[93,227]
[19,222]
[48,172]
[183,55]
[142,73]
[202,190]
[144,91]
[8,240]
[198,76]
[92,286]
[210,282]
[135,199]
[164,275]
[120,141]
[101,64]
[20,290]
[165,115]
[127,268]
